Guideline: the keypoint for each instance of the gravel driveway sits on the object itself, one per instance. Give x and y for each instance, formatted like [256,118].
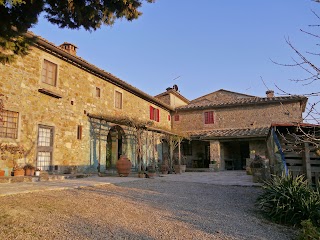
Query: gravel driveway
[147,209]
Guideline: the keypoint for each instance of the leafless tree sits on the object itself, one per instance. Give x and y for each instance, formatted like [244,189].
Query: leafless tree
[306,61]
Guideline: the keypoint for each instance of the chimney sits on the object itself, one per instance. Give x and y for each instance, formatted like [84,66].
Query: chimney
[69,47]
[270,93]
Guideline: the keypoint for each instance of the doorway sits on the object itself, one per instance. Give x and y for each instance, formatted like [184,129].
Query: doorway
[114,146]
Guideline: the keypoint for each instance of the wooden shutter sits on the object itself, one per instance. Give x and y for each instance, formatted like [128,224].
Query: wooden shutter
[158,115]
[151,113]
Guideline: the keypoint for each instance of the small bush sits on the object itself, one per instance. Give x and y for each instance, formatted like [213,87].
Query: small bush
[308,231]
[290,200]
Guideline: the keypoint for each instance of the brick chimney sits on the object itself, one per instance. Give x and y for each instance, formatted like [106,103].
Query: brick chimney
[69,47]
[270,93]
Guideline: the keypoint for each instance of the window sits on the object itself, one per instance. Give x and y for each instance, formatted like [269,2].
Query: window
[45,147]
[9,124]
[154,114]
[176,117]
[187,148]
[208,117]
[118,100]
[49,73]
[97,92]
[79,132]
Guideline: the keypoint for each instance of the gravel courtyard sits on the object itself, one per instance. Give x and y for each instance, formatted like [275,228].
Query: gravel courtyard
[147,209]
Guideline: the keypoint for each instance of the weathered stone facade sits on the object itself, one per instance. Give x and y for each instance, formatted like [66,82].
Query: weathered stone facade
[251,116]
[237,125]
[72,113]
[74,96]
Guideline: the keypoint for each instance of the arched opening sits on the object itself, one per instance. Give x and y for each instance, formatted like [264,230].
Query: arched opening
[115,146]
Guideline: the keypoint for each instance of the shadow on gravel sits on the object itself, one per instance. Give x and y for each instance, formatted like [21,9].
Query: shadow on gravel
[209,208]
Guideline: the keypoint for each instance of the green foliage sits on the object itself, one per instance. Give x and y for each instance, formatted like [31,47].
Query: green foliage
[308,231]
[17,16]
[290,200]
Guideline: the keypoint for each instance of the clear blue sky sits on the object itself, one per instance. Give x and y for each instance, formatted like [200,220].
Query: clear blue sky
[210,44]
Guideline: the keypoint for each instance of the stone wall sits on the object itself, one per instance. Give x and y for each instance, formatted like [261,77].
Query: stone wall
[20,82]
[220,96]
[250,116]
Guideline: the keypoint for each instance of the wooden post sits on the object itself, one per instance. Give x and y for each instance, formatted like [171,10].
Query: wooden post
[179,149]
[99,146]
[306,162]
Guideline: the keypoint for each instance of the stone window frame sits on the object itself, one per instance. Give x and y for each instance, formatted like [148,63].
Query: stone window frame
[209,117]
[10,123]
[53,63]
[118,103]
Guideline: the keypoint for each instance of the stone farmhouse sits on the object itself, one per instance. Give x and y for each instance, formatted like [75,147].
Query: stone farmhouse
[227,126]
[68,114]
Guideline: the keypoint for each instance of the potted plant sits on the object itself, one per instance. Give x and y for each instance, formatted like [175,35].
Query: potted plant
[212,165]
[37,172]
[18,171]
[29,169]
[141,174]
[183,165]
[164,168]
[151,172]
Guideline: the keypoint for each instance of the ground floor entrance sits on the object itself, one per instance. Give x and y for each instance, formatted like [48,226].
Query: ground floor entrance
[235,155]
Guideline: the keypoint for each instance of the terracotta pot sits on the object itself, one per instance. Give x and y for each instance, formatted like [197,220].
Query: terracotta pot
[29,172]
[177,169]
[123,166]
[18,173]
[141,175]
[151,174]
[2,172]
[164,169]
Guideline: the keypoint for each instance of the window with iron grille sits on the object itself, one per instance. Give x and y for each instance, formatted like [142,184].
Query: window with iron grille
[45,147]
[49,73]
[9,124]
[118,100]
[154,114]
[208,117]
[176,117]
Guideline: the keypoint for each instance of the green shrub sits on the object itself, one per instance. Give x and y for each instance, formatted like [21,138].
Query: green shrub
[290,200]
[308,231]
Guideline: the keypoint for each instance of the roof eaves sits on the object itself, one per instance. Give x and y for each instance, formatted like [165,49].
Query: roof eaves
[52,48]
[242,103]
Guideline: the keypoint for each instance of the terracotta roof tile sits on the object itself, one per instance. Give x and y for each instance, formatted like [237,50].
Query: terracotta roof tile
[241,101]
[231,133]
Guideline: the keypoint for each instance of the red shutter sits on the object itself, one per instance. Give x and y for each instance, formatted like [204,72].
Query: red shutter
[158,115]
[169,118]
[206,118]
[151,112]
